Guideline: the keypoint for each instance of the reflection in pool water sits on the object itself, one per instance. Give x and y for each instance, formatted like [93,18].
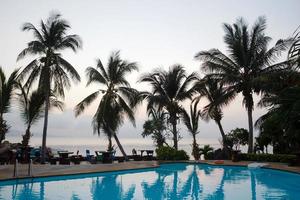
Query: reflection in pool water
[170,181]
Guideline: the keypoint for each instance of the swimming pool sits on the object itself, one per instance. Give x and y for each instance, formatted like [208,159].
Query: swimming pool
[169,181]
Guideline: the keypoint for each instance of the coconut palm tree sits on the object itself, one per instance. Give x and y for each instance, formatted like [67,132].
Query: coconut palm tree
[53,72]
[217,96]
[118,98]
[283,115]
[248,60]
[205,150]
[156,126]
[191,121]
[6,92]
[169,90]
[32,107]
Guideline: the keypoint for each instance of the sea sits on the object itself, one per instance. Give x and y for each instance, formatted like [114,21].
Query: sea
[93,144]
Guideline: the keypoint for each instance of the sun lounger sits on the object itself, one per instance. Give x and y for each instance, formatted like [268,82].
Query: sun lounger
[90,158]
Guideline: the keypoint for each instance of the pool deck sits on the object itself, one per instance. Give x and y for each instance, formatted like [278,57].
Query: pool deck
[6,171]
[270,165]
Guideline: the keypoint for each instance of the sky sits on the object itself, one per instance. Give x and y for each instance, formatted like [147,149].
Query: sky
[155,34]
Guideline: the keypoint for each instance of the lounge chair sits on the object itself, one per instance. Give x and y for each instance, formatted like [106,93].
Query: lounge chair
[35,154]
[134,156]
[149,155]
[89,157]
[99,157]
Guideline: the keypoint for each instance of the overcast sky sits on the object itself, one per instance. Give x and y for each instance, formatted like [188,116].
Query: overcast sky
[152,33]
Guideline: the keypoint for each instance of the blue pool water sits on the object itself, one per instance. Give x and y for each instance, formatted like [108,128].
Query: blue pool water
[169,181]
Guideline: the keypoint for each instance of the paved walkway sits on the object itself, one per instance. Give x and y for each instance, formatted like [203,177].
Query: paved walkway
[6,171]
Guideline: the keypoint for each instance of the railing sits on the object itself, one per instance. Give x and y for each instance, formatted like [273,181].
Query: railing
[16,168]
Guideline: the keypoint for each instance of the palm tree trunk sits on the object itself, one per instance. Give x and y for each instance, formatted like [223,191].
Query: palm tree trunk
[174,131]
[195,149]
[47,102]
[194,140]
[2,129]
[26,136]
[109,148]
[175,137]
[227,151]
[250,139]
[120,147]
[221,130]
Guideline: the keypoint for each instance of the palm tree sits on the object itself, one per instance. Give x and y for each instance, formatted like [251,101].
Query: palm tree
[205,150]
[248,60]
[6,92]
[32,107]
[118,98]
[191,121]
[283,114]
[169,90]
[217,96]
[52,70]
[156,126]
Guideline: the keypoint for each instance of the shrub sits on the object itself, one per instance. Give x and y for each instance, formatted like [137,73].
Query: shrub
[284,158]
[169,153]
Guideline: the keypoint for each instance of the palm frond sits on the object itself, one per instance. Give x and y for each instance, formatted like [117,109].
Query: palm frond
[94,76]
[85,102]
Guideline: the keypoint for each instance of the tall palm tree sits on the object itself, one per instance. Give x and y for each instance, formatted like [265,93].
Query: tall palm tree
[118,98]
[6,92]
[32,107]
[191,121]
[52,70]
[248,60]
[217,96]
[169,90]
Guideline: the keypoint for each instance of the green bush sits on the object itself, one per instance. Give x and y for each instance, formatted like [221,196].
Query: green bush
[284,158]
[169,153]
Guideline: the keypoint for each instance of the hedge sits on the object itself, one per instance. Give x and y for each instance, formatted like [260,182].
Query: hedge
[169,153]
[284,158]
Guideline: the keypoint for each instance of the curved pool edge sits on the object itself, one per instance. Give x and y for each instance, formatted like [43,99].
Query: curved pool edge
[271,166]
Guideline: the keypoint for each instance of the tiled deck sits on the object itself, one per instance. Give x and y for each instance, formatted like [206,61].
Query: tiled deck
[6,171]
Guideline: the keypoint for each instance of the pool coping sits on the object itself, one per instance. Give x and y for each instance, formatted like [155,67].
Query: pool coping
[272,166]
[149,166]
[74,174]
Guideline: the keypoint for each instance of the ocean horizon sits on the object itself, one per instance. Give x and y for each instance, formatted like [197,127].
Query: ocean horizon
[93,144]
